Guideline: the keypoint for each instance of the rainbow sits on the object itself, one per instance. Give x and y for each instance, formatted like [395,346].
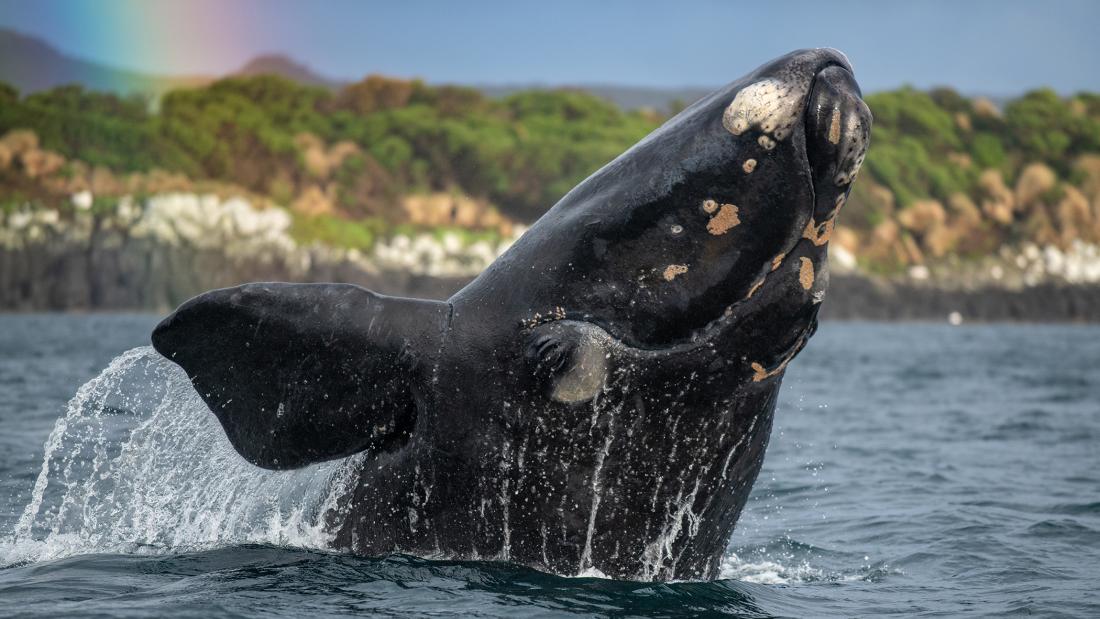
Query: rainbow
[110,45]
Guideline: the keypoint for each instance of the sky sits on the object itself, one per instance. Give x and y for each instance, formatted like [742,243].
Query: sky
[979,47]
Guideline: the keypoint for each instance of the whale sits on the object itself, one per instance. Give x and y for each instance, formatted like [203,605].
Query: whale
[599,399]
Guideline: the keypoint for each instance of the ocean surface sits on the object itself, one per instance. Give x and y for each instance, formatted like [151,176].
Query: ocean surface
[914,470]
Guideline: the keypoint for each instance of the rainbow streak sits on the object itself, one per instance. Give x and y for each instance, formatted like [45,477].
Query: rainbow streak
[105,42]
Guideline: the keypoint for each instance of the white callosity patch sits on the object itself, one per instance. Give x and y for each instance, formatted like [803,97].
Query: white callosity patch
[674,270]
[771,105]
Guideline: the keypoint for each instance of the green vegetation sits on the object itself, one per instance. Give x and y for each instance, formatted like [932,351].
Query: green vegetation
[336,232]
[934,144]
[521,153]
[945,174]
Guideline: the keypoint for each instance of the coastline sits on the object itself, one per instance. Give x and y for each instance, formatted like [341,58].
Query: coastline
[154,255]
[854,297]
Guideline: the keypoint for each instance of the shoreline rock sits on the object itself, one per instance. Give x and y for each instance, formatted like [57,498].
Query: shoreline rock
[854,297]
[154,255]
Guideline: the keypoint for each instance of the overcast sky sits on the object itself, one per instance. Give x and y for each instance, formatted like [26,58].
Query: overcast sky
[986,47]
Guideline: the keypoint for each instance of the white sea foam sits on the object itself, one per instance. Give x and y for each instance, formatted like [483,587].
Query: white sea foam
[138,464]
[768,572]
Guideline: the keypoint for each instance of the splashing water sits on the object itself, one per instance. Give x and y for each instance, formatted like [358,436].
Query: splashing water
[139,465]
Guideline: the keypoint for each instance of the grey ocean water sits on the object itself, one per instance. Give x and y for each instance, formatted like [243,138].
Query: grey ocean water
[915,469]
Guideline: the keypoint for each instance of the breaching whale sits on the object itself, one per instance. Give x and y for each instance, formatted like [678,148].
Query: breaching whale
[600,397]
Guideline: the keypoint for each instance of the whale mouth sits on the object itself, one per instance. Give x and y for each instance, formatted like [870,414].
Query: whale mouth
[838,127]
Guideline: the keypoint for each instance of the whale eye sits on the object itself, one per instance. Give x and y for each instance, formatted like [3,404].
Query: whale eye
[676,229]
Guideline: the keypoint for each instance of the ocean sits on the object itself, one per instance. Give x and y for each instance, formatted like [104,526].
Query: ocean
[914,470]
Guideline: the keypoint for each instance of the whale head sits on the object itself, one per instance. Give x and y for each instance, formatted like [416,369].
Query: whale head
[726,208]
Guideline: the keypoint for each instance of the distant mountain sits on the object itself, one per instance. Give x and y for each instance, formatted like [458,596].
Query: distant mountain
[626,97]
[278,64]
[30,64]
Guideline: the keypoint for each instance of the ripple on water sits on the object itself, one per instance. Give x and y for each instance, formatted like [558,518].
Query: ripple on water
[1066,530]
[292,583]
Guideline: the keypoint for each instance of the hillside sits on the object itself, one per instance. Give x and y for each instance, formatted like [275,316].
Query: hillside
[283,66]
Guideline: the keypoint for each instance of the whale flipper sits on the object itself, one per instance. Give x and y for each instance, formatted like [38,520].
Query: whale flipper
[301,373]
